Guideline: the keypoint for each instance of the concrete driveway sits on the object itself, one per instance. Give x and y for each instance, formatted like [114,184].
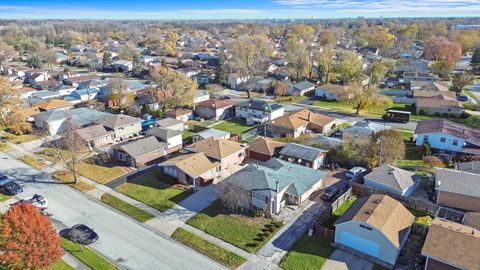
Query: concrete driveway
[122,240]
[341,260]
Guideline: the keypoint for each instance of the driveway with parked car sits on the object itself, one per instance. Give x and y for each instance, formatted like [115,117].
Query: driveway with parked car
[121,239]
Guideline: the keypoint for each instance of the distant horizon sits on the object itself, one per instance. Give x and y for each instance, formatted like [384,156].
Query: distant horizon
[240,10]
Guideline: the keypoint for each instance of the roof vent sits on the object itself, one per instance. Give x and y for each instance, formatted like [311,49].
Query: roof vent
[377,201]
[369,212]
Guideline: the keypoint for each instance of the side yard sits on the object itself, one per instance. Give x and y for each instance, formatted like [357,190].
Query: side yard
[308,253]
[247,233]
[155,189]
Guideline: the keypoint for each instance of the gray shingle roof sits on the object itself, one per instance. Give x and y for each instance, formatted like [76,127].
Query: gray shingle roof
[142,146]
[263,178]
[212,133]
[457,182]
[473,167]
[301,151]
[118,120]
[163,133]
[394,177]
[303,86]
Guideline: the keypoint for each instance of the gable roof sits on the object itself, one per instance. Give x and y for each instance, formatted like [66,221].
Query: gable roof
[453,243]
[314,118]
[382,212]
[216,148]
[163,133]
[178,112]
[168,122]
[192,164]
[458,182]
[118,120]
[212,133]
[262,179]
[142,146]
[301,151]
[265,146]
[472,166]
[437,102]
[93,132]
[216,103]
[449,127]
[259,105]
[288,121]
[52,104]
[333,88]
[394,177]
[304,85]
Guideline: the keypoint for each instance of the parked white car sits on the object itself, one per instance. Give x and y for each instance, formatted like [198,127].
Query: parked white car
[355,172]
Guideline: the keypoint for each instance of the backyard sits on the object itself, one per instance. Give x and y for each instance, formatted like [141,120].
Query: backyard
[413,159]
[308,253]
[233,126]
[154,189]
[247,233]
[338,212]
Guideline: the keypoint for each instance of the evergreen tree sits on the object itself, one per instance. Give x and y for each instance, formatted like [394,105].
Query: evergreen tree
[476,57]
[137,65]
[107,59]
[221,73]
[34,61]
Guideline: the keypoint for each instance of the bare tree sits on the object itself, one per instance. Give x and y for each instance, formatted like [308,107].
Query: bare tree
[232,197]
[118,91]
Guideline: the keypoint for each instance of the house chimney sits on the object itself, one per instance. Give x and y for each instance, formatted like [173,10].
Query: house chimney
[309,117]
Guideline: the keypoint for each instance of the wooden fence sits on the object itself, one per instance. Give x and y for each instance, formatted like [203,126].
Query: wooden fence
[345,196]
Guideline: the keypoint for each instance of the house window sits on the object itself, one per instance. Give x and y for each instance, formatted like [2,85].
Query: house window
[455,142]
[443,139]
[365,227]
[425,138]
[122,156]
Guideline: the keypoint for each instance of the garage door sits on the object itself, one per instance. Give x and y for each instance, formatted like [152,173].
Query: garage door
[359,243]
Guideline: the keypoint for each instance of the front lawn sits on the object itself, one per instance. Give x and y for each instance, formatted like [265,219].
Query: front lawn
[61,265]
[19,139]
[214,252]
[51,153]
[87,256]
[126,208]
[4,197]
[152,190]
[288,99]
[4,147]
[37,164]
[99,174]
[338,212]
[308,253]
[233,126]
[67,177]
[247,233]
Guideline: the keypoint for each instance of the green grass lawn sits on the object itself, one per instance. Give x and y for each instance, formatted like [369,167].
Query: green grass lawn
[4,147]
[67,177]
[19,139]
[233,126]
[154,189]
[187,134]
[338,212]
[87,256]
[37,164]
[288,99]
[247,233]
[308,253]
[99,174]
[61,265]
[421,217]
[4,197]
[51,153]
[413,159]
[214,252]
[126,208]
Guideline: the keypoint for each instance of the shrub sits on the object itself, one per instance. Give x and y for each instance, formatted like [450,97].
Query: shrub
[432,161]
[277,224]
[426,150]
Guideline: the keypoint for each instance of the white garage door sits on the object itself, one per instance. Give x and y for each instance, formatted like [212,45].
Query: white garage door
[359,243]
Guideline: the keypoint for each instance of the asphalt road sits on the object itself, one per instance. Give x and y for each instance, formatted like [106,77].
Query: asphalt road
[121,239]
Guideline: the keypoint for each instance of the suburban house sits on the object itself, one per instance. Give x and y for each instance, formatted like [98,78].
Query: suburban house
[286,126]
[210,133]
[274,184]
[200,95]
[140,152]
[181,114]
[363,131]
[410,77]
[263,149]
[377,226]
[234,80]
[96,135]
[304,155]
[438,105]
[54,121]
[191,169]
[318,123]
[457,189]
[450,245]
[301,88]
[53,104]
[471,167]
[447,136]
[124,126]
[123,65]
[171,123]
[215,109]
[228,153]
[172,137]
[392,180]
[85,94]
[256,111]
[330,92]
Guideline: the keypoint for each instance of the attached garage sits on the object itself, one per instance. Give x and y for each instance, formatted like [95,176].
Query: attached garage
[377,226]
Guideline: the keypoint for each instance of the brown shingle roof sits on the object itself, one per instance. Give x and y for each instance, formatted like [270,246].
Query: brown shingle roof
[434,94]
[52,104]
[288,121]
[453,243]
[265,146]
[216,148]
[215,103]
[382,212]
[192,164]
[448,127]
[314,118]
[437,103]
[178,112]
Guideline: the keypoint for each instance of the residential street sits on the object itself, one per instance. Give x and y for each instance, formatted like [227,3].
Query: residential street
[122,240]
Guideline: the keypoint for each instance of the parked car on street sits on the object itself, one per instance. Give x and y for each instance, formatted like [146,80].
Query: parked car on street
[329,193]
[355,172]
[82,234]
[36,200]
[9,187]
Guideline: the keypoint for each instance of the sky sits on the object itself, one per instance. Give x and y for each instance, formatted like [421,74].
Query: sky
[233,9]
